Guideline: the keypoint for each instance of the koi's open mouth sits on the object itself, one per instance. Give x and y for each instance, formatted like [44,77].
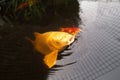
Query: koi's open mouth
[71,40]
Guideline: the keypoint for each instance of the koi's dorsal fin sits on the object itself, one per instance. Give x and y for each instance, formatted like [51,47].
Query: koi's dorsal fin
[50,59]
[36,34]
[39,38]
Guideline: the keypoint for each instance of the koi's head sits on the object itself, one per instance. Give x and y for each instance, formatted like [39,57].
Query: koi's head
[59,40]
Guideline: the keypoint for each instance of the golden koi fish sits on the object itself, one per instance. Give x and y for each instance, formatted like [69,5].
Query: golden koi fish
[50,43]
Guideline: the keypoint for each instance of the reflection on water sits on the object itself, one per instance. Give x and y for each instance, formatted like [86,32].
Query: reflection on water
[50,12]
[88,16]
[97,48]
[101,0]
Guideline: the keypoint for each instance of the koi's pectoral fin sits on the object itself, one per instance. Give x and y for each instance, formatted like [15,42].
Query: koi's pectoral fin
[50,59]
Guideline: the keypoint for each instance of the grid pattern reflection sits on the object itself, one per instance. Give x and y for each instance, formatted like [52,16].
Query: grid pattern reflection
[97,51]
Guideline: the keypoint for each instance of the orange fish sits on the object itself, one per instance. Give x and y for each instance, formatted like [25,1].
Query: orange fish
[50,43]
[71,30]
[26,4]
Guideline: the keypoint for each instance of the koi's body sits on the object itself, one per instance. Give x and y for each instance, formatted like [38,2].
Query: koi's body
[50,43]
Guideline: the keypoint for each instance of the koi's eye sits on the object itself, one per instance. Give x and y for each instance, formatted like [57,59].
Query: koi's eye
[57,42]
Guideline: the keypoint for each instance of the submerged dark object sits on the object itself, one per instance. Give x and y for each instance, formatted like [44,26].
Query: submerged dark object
[41,12]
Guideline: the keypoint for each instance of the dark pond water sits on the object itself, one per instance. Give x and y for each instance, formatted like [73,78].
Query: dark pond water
[96,50]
